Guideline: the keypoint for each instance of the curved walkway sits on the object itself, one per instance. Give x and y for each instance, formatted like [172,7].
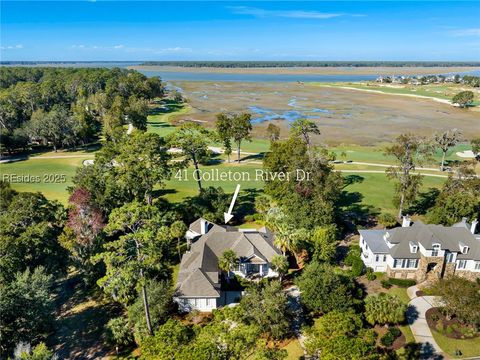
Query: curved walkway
[293,294]
[417,308]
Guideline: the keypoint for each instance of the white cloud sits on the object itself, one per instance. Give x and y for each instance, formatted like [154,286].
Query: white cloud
[298,14]
[123,48]
[465,32]
[12,47]
[176,49]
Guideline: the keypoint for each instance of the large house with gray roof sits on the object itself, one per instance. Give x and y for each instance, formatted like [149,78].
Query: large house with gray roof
[423,252]
[199,285]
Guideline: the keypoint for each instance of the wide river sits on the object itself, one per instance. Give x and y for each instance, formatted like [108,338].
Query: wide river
[194,76]
[220,77]
[205,76]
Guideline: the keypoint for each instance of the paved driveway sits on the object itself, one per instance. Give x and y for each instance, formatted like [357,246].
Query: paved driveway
[417,307]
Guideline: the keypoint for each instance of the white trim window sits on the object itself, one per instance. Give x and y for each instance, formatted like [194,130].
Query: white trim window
[435,249]
[450,257]
[405,263]
[461,264]
[412,263]
[477,265]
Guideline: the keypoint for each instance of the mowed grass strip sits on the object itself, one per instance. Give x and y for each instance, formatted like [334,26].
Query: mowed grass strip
[160,123]
[469,348]
[50,176]
[438,91]
[376,154]
[378,191]
[184,184]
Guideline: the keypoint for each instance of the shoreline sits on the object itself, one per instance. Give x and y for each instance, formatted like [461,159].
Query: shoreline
[383,70]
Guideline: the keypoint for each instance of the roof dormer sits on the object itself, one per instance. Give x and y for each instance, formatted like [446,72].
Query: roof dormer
[413,247]
[463,248]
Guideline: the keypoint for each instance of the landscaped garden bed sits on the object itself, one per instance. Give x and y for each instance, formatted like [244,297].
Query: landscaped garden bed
[451,328]
[389,337]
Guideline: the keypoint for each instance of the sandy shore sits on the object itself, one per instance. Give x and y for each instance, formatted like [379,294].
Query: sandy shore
[312,70]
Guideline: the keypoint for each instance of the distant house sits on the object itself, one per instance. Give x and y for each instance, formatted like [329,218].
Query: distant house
[450,78]
[199,285]
[423,252]
[397,79]
[415,81]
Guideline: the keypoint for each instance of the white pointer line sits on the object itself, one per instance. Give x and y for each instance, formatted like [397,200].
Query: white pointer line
[228,216]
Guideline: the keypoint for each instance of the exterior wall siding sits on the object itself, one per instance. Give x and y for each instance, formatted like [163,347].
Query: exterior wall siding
[200,304]
[430,268]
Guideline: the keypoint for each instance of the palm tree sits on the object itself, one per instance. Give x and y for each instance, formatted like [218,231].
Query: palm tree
[285,238]
[279,263]
[228,262]
[178,230]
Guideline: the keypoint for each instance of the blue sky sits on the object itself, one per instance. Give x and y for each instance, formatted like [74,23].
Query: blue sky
[107,30]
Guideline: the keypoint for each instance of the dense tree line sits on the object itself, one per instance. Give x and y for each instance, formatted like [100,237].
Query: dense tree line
[65,107]
[460,195]
[458,198]
[243,64]
[31,259]
[473,81]
[242,332]
[310,202]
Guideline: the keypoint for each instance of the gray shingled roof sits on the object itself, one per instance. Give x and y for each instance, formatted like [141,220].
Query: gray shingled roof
[426,235]
[197,284]
[402,251]
[202,259]
[375,241]
[197,227]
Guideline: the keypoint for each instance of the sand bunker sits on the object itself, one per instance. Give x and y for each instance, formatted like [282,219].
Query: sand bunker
[467,154]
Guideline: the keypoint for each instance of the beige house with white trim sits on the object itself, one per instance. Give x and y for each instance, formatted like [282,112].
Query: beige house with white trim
[199,285]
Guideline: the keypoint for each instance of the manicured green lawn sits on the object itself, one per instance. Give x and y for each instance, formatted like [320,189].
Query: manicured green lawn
[175,270]
[294,350]
[407,332]
[182,186]
[375,154]
[376,190]
[48,172]
[469,348]
[256,145]
[160,123]
[400,292]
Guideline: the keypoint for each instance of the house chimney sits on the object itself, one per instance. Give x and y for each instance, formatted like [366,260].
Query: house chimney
[203,226]
[474,226]
[406,221]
